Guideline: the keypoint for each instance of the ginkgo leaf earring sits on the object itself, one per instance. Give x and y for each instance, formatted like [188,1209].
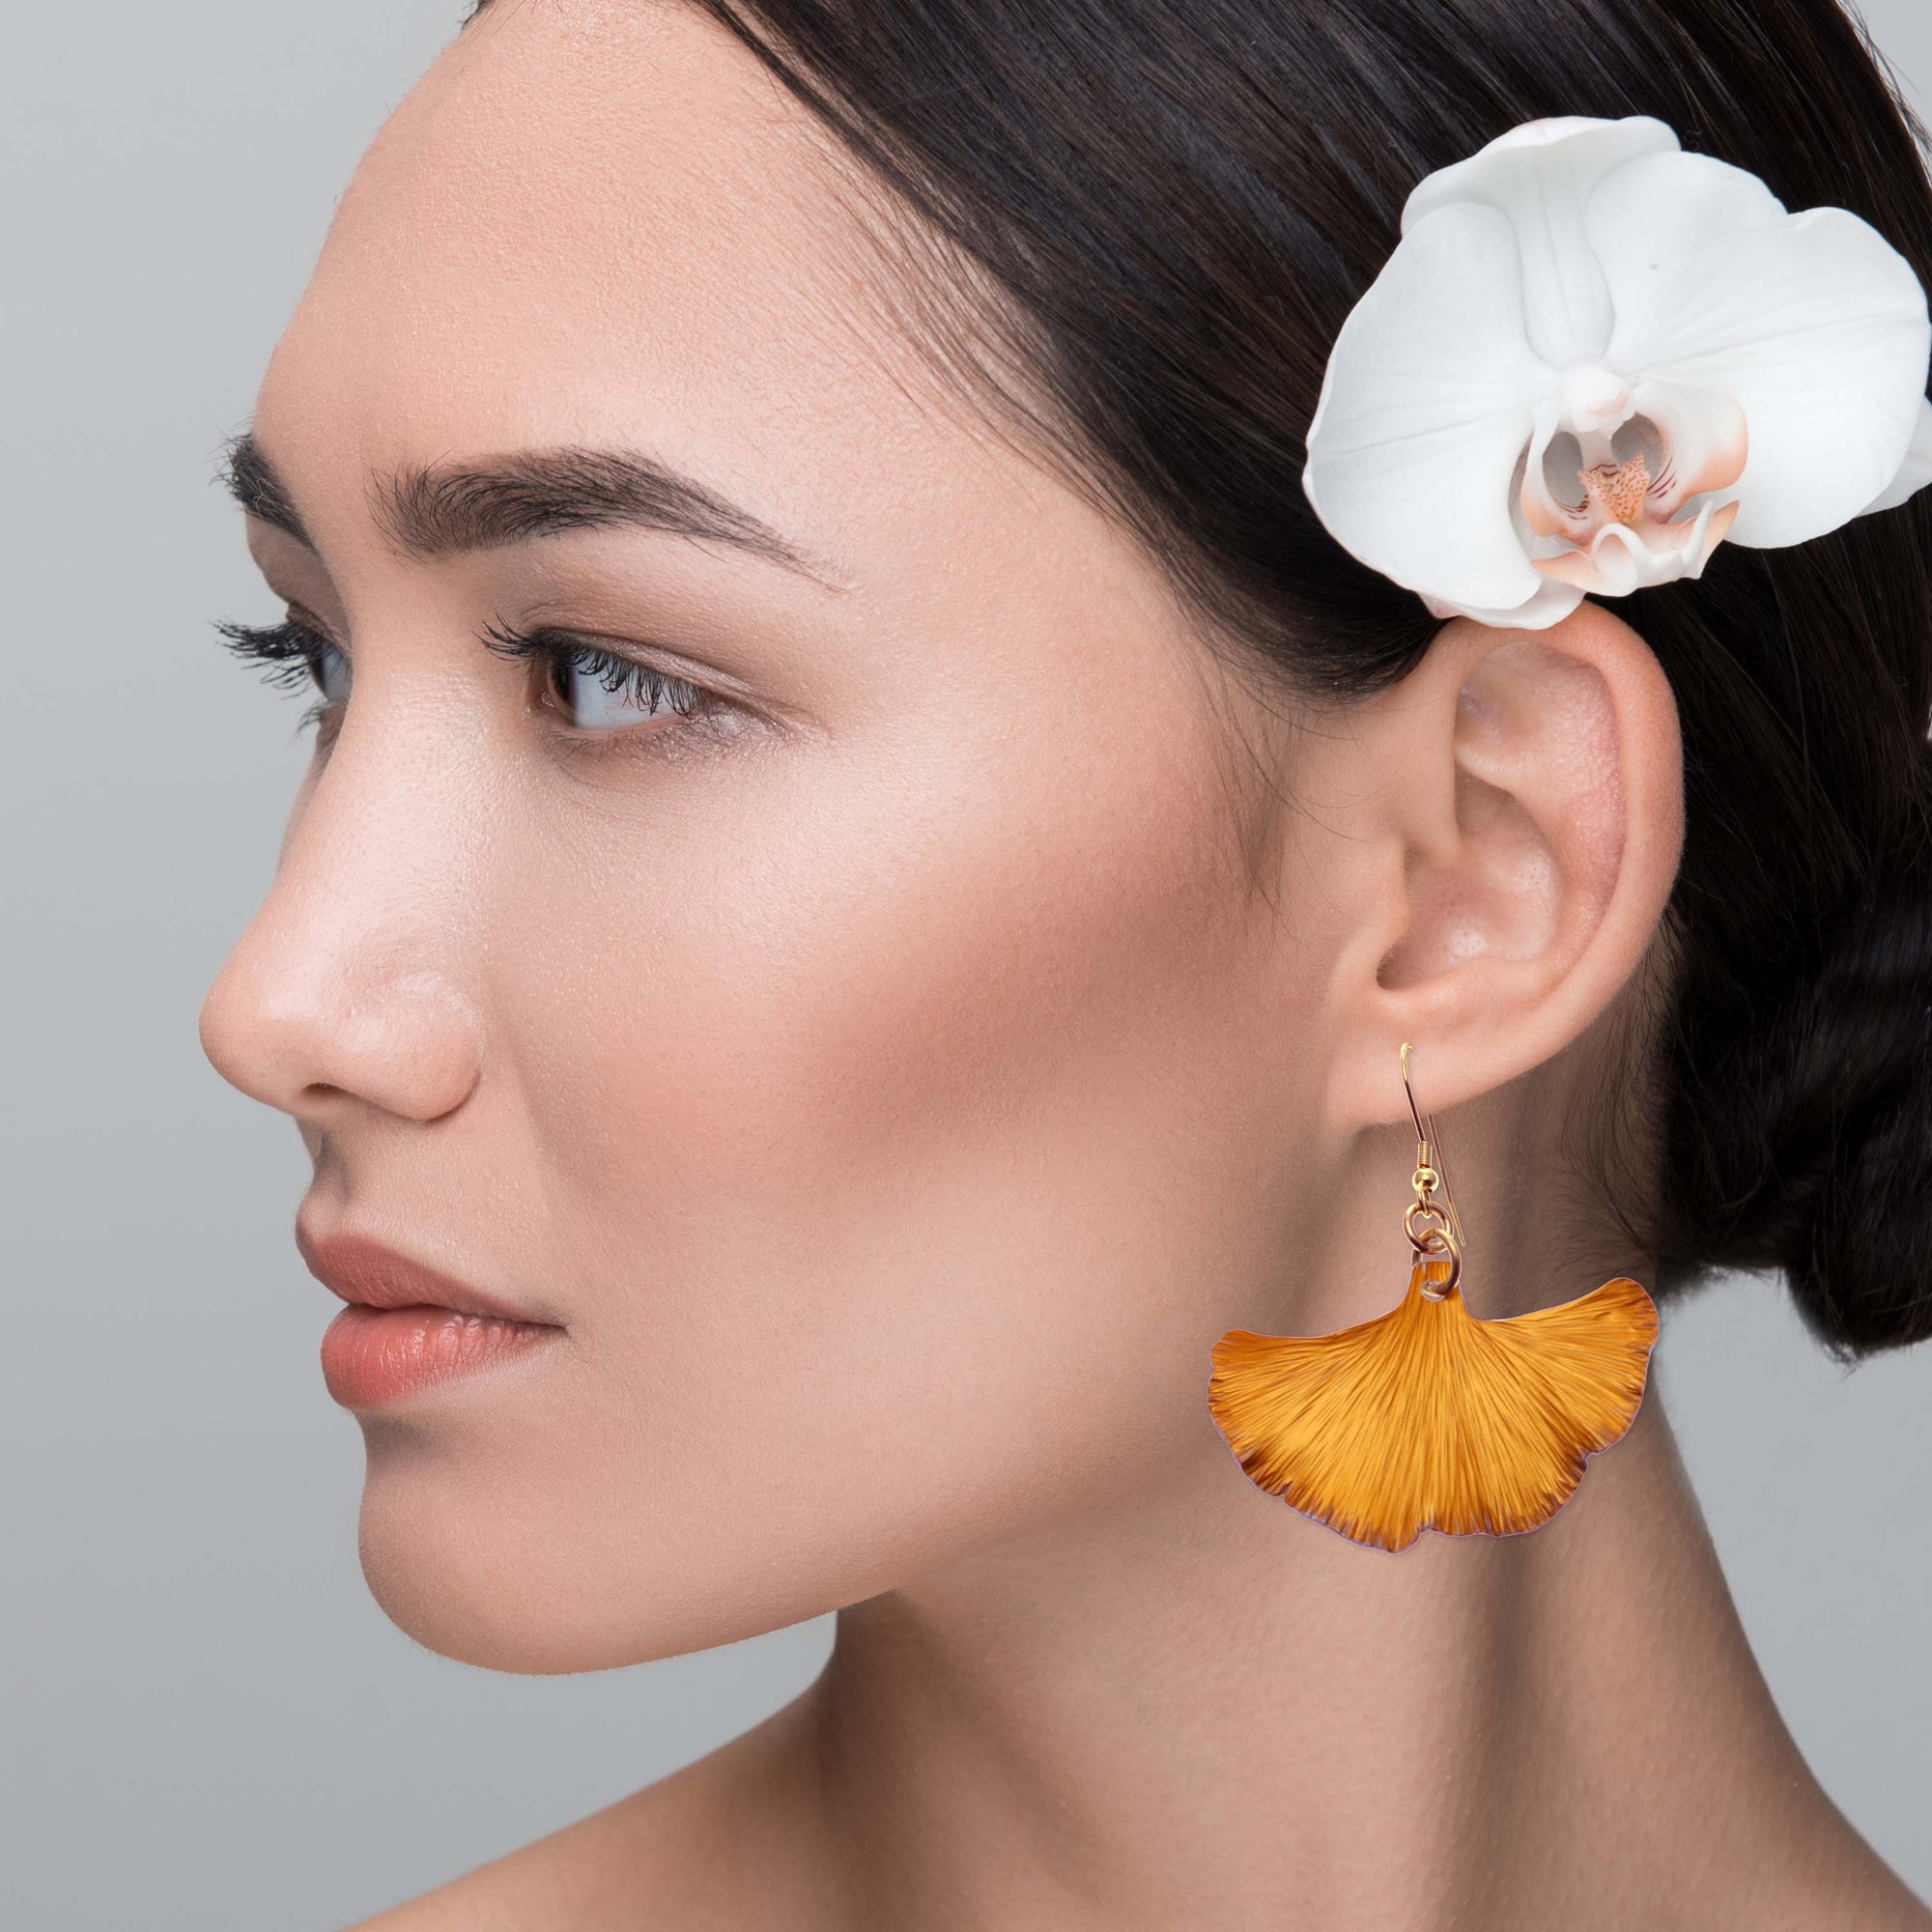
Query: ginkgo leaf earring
[1427,1418]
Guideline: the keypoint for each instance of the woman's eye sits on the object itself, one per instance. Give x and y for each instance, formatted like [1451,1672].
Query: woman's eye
[329,670]
[600,693]
[292,654]
[597,690]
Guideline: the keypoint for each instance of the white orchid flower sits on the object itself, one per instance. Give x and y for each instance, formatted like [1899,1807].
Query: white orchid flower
[1592,358]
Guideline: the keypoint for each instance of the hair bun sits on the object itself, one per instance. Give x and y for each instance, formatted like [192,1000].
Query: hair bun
[1824,1171]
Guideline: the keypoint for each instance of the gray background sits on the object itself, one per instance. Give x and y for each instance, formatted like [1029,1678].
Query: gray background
[205,1722]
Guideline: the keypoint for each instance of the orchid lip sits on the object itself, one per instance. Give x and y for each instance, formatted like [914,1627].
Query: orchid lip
[1584,481]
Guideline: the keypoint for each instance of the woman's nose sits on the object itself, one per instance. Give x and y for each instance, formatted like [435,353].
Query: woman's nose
[342,994]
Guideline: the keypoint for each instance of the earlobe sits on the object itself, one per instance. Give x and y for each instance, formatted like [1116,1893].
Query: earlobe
[1529,826]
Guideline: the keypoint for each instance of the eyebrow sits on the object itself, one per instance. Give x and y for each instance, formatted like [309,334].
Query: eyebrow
[448,509]
[251,480]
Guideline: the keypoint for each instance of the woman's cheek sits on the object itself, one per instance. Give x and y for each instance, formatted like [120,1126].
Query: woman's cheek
[827,978]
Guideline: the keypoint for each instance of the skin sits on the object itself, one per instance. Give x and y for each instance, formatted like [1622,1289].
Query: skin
[897,1086]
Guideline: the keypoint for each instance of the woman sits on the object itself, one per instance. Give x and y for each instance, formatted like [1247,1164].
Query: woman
[868,864]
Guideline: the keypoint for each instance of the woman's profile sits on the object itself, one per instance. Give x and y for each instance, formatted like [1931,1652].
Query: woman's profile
[948,639]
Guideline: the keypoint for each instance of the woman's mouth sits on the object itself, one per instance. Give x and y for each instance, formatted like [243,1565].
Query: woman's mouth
[407,1326]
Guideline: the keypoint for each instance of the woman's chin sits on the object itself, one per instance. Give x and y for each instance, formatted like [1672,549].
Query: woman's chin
[497,1589]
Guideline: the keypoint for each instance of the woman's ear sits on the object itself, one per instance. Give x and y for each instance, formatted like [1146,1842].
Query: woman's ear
[1517,818]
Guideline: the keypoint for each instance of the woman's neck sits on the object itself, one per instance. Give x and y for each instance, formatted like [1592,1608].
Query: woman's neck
[1197,1708]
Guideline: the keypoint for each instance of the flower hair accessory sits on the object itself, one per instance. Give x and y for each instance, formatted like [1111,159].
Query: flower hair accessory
[1593,356]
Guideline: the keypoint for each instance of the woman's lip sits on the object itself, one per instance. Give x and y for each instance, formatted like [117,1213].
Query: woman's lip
[373,1356]
[362,1269]
[406,1326]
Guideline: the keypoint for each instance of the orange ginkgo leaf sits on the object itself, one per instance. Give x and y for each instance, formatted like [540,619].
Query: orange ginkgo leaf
[1427,1418]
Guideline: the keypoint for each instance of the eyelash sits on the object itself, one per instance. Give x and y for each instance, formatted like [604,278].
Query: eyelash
[290,651]
[293,655]
[558,651]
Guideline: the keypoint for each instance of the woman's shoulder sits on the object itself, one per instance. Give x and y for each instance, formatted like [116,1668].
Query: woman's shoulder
[719,1843]
[646,1849]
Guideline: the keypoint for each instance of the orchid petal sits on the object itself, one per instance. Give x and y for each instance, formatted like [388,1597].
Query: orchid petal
[1813,322]
[1541,175]
[1552,604]
[1427,405]
[1916,469]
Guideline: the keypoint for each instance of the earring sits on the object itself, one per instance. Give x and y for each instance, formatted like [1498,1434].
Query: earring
[1425,1417]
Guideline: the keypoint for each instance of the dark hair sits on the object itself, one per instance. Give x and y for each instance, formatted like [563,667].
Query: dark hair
[1175,204]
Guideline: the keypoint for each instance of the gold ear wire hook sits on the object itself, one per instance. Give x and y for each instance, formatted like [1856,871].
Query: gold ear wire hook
[1414,1113]
[1429,1155]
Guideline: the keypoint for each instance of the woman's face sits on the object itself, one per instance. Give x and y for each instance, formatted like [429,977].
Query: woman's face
[869,1050]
